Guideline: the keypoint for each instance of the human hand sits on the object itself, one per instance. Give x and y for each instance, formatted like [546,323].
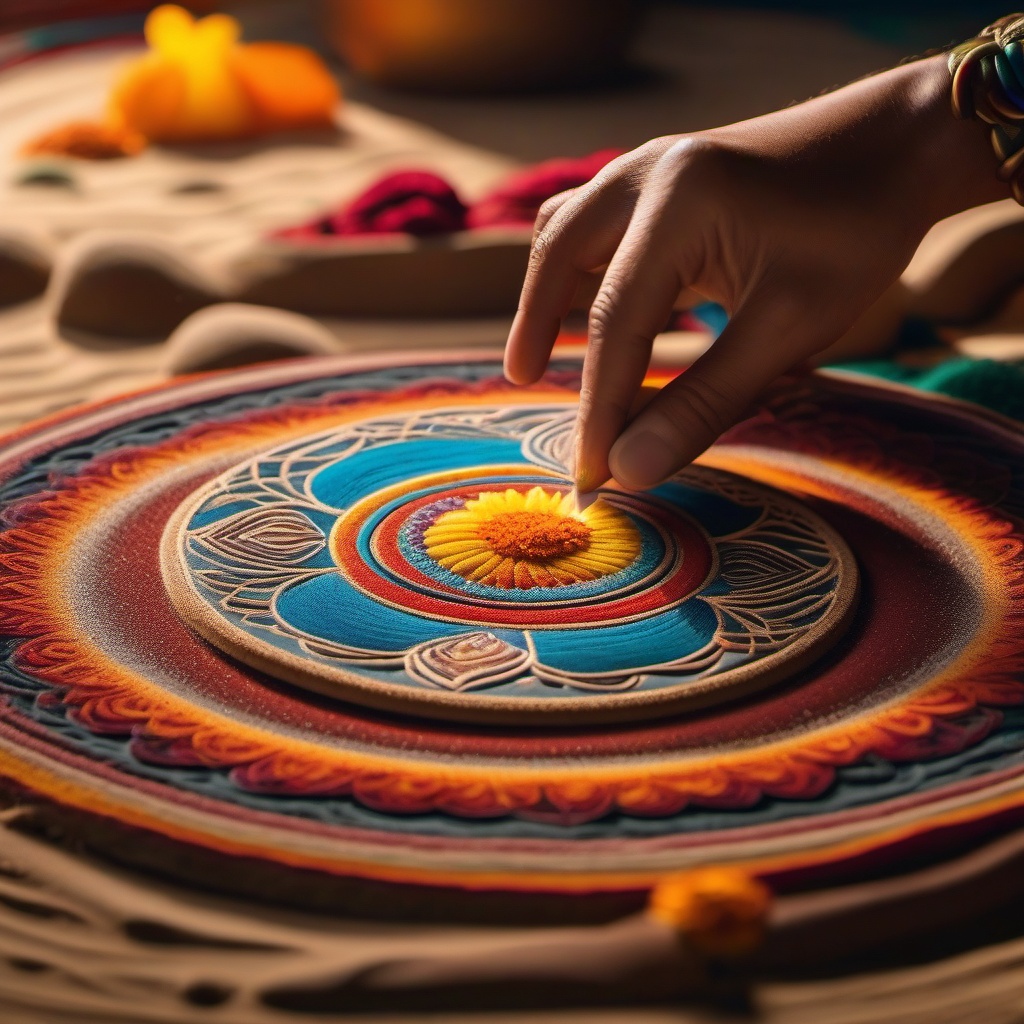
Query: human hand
[795,222]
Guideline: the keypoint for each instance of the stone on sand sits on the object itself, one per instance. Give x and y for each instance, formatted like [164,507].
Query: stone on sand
[127,287]
[234,334]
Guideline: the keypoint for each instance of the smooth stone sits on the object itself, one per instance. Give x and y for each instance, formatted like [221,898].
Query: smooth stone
[128,287]
[975,278]
[25,268]
[233,334]
[467,274]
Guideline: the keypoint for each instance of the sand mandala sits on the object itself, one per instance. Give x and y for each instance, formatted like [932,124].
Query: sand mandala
[336,625]
[435,562]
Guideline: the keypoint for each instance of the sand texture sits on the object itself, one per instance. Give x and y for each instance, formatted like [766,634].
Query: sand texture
[77,229]
[81,942]
[204,208]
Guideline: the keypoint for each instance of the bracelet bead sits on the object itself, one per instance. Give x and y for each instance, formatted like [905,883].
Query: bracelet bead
[988,86]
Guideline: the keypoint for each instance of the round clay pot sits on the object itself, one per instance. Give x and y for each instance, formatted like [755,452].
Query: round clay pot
[483,45]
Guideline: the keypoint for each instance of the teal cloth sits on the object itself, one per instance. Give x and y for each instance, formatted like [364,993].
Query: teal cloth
[996,386]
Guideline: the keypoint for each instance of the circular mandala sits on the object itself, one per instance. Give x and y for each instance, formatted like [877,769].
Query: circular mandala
[435,562]
[905,737]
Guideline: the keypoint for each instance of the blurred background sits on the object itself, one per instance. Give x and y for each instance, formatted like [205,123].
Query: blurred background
[477,94]
[536,77]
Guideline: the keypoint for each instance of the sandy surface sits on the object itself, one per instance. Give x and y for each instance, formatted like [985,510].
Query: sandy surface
[260,188]
[259,185]
[76,922]
[253,188]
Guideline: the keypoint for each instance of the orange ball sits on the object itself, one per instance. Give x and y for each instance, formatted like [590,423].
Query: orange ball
[721,911]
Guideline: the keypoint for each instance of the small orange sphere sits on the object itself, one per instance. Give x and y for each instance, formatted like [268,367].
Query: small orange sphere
[722,911]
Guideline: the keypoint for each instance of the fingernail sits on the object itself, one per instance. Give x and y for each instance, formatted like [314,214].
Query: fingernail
[587,481]
[642,459]
[583,474]
[505,368]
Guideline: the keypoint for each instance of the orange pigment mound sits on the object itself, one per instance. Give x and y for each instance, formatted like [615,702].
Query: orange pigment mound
[535,535]
[86,140]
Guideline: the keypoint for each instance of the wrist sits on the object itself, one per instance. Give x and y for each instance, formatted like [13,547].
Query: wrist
[890,141]
[950,162]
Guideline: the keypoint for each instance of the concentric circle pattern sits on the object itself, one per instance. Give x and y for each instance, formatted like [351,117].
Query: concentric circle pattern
[429,562]
[261,486]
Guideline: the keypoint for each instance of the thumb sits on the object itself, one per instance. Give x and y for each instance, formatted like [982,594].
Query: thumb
[761,342]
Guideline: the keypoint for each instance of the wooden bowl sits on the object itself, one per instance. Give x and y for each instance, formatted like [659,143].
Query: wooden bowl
[469,46]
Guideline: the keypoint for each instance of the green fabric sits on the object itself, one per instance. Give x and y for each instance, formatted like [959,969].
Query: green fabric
[997,386]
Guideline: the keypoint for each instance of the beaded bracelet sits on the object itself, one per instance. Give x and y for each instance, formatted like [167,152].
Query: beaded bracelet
[988,83]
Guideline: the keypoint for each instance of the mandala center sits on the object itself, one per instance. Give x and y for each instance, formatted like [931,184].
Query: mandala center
[535,535]
[517,540]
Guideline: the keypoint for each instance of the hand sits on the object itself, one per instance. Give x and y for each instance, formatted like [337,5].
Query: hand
[795,222]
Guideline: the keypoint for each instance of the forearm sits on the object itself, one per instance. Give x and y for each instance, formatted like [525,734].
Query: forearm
[795,222]
[891,139]
[955,164]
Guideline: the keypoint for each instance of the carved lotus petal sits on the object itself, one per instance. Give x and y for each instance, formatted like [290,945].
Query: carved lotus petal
[264,537]
[551,444]
[465,662]
[752,565]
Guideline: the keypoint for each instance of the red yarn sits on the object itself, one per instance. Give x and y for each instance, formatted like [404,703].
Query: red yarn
[409,202]
[422,203]
[416,202]
[518,198]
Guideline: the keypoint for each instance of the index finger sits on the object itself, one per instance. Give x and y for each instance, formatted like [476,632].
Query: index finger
[633,304]
[578,238]
[552,277]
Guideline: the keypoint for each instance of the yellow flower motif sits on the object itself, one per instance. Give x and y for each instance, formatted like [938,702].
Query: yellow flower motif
[513,540]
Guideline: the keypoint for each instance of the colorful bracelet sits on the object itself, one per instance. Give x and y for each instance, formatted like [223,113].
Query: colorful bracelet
[988,84]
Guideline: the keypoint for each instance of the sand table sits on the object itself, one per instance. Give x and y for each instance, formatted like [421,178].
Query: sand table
[213,205]
[208,199]
[210,203]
